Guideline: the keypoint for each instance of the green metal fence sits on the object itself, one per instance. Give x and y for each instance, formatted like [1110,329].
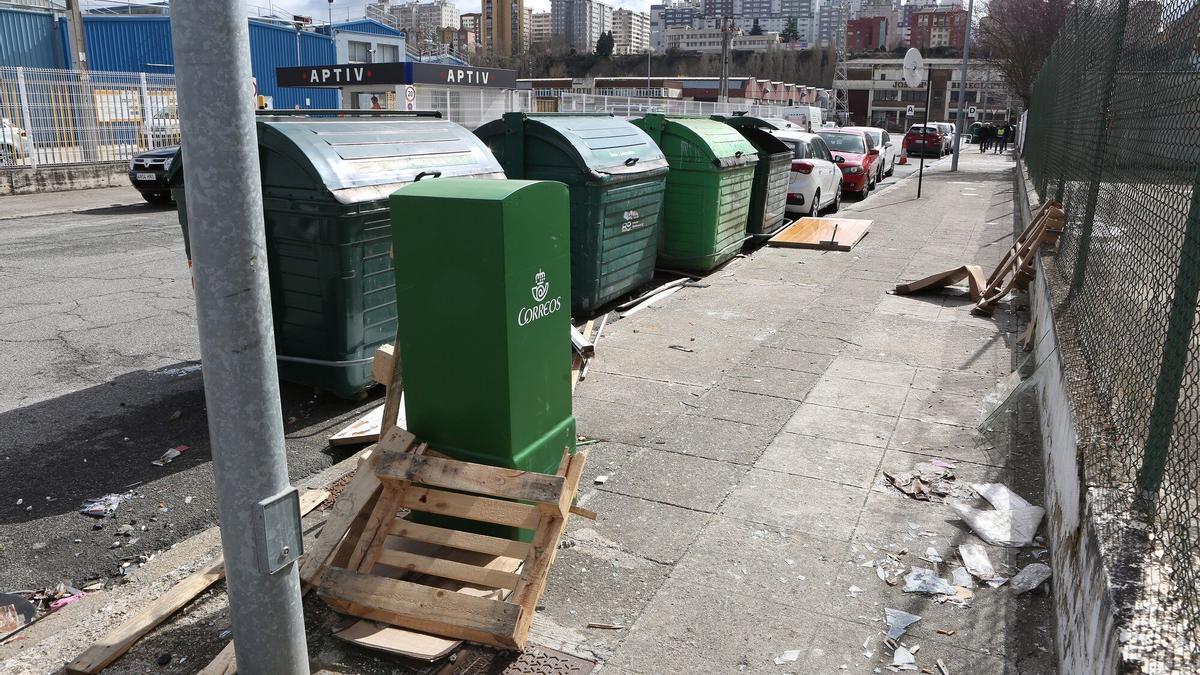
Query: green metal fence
[1114,133]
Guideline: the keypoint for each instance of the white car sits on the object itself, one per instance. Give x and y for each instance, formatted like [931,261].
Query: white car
[880,138]
[816,182]
[15,144]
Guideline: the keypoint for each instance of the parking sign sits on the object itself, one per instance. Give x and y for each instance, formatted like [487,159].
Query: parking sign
[910,110]
[971,112]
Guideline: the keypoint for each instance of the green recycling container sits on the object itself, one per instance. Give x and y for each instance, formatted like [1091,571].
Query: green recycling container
[708,190]
[616,177]
[325,182]
[486,307]
[772,173]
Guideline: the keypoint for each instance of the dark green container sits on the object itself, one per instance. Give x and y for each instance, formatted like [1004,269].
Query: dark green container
[616,177]
[708,190]
[772,174]
[326,182]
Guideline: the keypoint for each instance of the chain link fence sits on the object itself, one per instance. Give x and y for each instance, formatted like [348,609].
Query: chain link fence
[1114,134]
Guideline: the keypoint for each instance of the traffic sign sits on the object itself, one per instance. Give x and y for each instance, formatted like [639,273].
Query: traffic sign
[914,67]
[910,110]
[410,97]
[971,112]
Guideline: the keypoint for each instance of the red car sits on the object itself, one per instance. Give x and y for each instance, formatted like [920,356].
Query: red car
[925,140]
[855,157]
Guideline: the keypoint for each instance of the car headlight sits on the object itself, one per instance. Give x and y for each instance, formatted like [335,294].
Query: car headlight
[131,165]
[853,169]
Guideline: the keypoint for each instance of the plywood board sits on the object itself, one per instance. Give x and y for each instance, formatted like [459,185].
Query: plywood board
[832,234]
[366,428]
[393,640]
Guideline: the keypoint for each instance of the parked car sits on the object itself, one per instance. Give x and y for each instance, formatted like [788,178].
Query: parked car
[859,162]
[947,130]
[924,140]
[148,173]
[880,138]
[816,182]
[14,143]
[164,127]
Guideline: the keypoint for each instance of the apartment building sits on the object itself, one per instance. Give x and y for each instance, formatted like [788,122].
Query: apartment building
[709,40]
[631,32]
[502,30]
[938,27]
[673,13]
[425,18]
[540,30]
[580,23]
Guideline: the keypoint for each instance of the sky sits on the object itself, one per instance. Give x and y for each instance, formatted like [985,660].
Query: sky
[319,9]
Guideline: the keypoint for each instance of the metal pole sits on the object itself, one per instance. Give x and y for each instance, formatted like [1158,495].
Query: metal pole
[925,127]
[26,118]
[237,342]
[962,87]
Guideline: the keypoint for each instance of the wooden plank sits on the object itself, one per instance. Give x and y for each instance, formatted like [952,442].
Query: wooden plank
[819,232]
[479,478]
[370,542]
[224,664]
[483,509]
[973,274]
[448,569]
[467,541]
[101,654]
[360,494]
[366,428]
[381,365]
[422,608]
[395,387]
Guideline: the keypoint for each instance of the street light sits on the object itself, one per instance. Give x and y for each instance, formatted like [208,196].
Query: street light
[962,86]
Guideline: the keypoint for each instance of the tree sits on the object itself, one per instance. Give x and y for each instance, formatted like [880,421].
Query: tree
[756,29]
[1018,35]
[790,32]
[604,45]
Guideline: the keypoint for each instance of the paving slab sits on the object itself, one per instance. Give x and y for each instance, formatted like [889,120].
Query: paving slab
[836,461]
[839,424]
[770,381]
[651,529]
[669,477]
[701,436]
[736,406]
[807,505]
[839,392]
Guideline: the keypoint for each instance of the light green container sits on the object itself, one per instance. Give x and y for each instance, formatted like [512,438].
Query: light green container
[709,188]
[483,289]
[772,174]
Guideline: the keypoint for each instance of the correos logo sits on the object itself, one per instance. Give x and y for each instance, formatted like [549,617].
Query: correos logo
[541,289]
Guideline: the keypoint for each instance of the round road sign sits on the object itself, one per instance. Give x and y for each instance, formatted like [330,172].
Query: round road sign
[914,68]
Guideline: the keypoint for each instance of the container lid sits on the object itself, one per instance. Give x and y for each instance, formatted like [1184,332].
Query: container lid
[600,145]
[366,158]
[742,121]
[715,141]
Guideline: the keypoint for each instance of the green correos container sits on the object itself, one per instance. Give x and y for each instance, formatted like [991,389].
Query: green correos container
[616,177]
[325,185]
[772,173]
[708,190]
[486,307]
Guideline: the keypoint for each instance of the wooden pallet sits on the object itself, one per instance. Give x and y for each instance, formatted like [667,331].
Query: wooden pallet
[833,234]
[389,576]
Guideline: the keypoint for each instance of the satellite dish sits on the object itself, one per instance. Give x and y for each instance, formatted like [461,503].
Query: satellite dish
[914,68]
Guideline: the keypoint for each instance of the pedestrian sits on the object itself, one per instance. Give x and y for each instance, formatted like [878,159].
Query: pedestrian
[985,137]
[375,103]
[1001,137]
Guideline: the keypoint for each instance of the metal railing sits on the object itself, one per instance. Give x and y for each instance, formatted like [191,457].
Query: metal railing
[629,106]
[72,117]
[1114,134]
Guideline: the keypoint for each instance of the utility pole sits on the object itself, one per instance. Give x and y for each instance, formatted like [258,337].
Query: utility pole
[90,142]
[256,505]
[78,38]
[726,40]
[841,98]
[962,86]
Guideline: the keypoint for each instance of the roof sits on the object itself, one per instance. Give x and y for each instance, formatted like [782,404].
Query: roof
[370,26]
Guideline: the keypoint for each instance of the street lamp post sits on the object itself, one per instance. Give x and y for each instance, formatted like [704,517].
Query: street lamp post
[962,87]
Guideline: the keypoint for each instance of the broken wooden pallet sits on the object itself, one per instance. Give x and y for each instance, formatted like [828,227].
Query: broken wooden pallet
[411,554]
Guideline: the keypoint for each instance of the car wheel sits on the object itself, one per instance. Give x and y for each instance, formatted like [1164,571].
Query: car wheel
[837,201]
[815,209]
[157,198]
[892,169]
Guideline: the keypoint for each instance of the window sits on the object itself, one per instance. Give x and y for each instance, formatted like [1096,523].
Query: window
[389,53]
[800,150]
[359,51]
[844,142]
[820,150]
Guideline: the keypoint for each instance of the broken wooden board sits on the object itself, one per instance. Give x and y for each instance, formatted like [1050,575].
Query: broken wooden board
[102,654]
[449,488]
[972,273]
[830,234]
[366,428]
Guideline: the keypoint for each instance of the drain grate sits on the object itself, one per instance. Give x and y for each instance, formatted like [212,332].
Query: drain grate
[536,660]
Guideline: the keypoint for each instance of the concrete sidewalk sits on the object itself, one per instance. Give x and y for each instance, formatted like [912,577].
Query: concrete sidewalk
[744,495]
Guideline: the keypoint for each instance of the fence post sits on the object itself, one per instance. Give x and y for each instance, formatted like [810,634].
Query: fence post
[26,119]
[1181,321]
[1117,36]
[145,94]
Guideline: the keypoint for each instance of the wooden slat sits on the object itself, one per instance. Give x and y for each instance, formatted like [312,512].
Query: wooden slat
[224,664]
[467,541]
[359,495]
[370,542]
[120,640]
[483,509]
[479,478]
[973,274]
[422,608]
[448,569]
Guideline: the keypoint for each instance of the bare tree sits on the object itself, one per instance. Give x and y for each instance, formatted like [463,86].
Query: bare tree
[1018,35]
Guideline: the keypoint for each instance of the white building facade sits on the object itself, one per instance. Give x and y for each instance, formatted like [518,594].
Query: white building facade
[580,23]
[709,40]
[631,32]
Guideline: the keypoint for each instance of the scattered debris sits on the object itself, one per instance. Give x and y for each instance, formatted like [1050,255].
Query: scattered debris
[941,463]
[942,668]
[946,631]
[606,626]
[16,612]
[976,560]
[187,499]
[924,580]
[170,455]
[681,348]
[1011,522]
[600,480]
[1030,578]
[789,656]
[164,658]
[649,300]
[903,659]
[898,622]
[961,577]
[63,602]
[104,506]
[932,555]
[926,482]
[853,592]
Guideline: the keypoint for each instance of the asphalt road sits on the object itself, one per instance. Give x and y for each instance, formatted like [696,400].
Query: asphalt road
[99,374]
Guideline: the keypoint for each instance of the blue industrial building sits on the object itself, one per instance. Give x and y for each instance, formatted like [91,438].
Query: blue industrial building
[28,38]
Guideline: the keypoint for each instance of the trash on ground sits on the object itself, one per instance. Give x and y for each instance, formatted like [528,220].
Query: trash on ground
[606,626]
[63,602]
[898,622]
[942,669]
[1011,521]
[903,659]
[961,577]
[681,348]
[932,555]
[16,612]
[889,570]
[925,580]
[976,560]
[103,506]
[926,482]
[946,631]
[941,463]
[170,455]
[600,480]
[853,591]
[787,657]
[188,499]
[1029,578]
